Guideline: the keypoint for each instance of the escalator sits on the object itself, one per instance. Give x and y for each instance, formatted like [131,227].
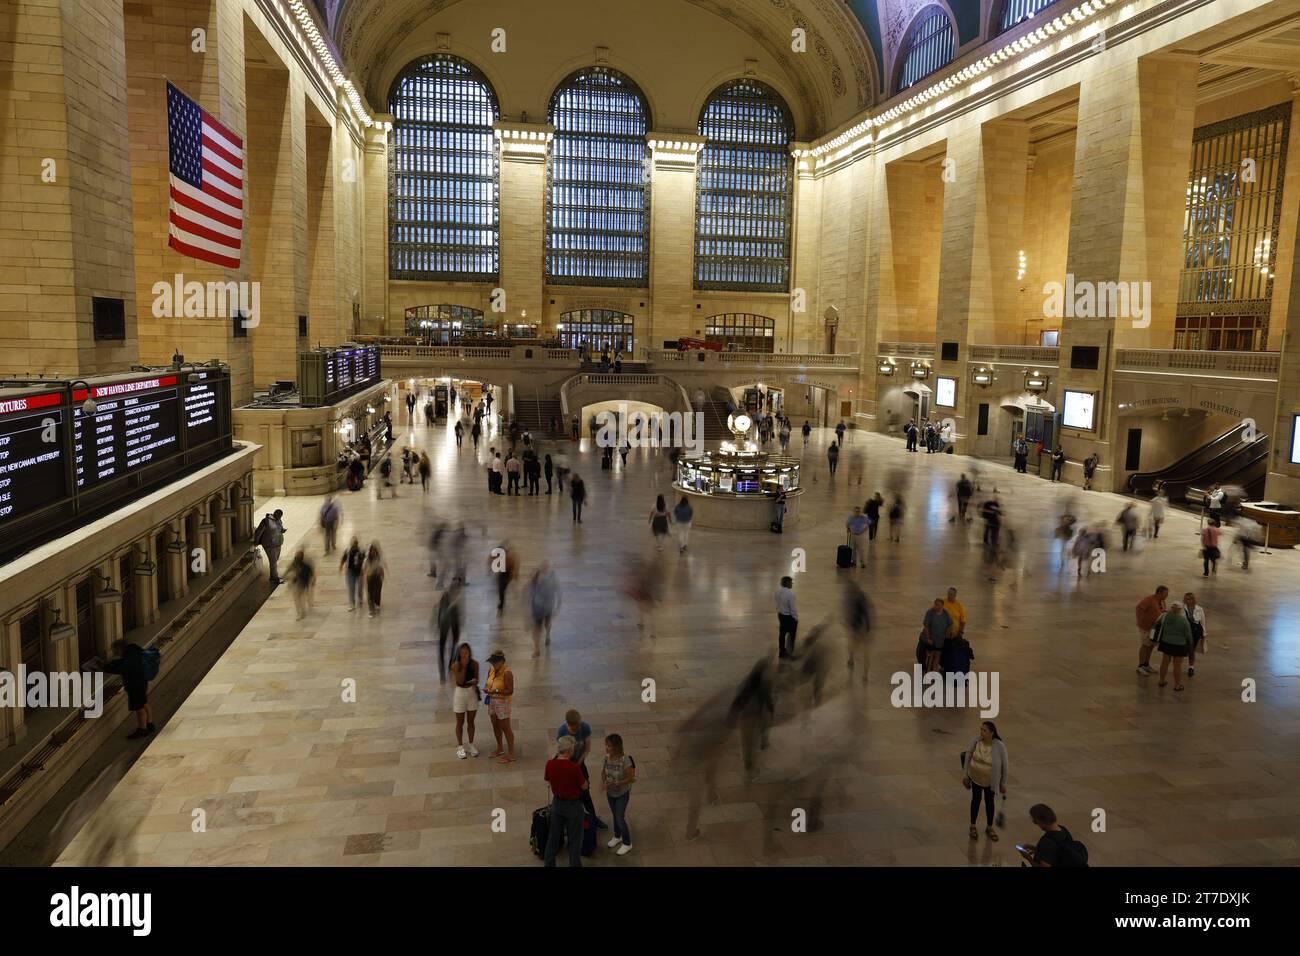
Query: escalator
[1228,459]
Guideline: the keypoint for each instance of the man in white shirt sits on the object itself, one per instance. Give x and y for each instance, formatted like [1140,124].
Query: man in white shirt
[1196,618]
[787,616]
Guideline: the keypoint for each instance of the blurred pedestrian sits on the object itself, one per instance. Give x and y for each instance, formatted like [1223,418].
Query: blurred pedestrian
[375,571]
[787,617]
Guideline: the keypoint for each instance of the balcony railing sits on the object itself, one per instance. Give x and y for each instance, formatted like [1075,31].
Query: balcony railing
[774,360]
[1016,354]
[905,349]
[1232,364]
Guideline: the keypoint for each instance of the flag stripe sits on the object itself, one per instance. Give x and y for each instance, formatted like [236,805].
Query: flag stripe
[203,254]
[230,141]
[212,148]
[210,167]
[217,233]
[208,204]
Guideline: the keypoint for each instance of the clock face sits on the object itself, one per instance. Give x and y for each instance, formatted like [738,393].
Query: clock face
[741,423]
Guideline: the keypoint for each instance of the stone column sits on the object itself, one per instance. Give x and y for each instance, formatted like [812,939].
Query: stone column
[374,289]
[803,334]
[64,649]
[178,559]
[65,186]
[146,585]
[1283,476]
[1132,156]
[524,149]
[672,236]
[275,189]
[12,719]
[206,532]
[108,617]
[244,509]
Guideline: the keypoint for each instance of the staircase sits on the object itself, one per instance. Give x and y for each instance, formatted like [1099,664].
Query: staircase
[715,421]
[535,415]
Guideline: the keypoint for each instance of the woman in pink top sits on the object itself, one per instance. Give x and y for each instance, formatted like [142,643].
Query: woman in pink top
[1210,546]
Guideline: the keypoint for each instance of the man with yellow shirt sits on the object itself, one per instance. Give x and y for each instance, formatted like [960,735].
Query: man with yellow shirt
[956,612]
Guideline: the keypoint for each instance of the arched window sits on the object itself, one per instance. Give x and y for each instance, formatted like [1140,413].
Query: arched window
[743,330]
[598,204]
[444,324]
[598,329]
[929,47]
[744,189]
[1014,12]
[443,215]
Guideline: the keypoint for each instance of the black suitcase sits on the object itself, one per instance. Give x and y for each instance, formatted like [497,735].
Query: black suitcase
[844,556]
[540,831]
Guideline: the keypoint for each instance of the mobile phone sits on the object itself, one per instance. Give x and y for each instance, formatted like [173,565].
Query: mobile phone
[1024,848]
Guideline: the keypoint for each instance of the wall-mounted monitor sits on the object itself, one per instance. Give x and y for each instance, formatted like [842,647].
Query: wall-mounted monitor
[1295,439]
[1079,410]
[945,391]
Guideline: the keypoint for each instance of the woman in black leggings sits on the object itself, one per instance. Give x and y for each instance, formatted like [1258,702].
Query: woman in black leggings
[984,765]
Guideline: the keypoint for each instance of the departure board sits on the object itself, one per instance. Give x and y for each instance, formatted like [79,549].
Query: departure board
[202,410]
[31,453]
[327,375]
[134,424]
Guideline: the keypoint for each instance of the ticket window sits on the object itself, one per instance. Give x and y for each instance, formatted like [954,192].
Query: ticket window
[126,571]
[31,640]
[87,649]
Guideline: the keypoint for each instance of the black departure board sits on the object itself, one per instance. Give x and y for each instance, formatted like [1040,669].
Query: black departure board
[202,410]
[135,424]
[31,453]
[327,375]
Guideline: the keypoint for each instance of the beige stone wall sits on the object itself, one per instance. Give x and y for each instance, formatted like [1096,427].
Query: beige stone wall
[65,203]
[1048,191]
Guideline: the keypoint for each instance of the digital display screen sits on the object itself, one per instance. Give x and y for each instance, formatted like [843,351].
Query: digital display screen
[1079,410]
[202,423]
[945,392]
[1295,439]
[134,424]
[347,370]
[31,454]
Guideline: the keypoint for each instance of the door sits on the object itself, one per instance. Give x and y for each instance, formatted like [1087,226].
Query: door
[1133,453]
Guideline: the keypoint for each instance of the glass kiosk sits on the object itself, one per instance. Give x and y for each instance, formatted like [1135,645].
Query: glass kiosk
[736,486]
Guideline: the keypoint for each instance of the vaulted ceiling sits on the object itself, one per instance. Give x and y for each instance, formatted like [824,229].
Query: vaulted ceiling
[837,77]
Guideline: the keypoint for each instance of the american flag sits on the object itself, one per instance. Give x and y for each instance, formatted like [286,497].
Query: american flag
[206,162]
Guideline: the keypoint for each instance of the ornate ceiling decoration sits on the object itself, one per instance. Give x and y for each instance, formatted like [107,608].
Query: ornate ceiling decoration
[835,78]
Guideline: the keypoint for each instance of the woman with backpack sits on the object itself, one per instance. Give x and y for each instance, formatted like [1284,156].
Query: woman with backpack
[617,777]
[984,770]
[659,522]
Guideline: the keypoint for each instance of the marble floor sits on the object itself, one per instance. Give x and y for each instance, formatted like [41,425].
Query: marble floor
[286,772]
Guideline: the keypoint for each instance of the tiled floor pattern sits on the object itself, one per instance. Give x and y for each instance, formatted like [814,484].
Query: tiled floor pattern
[287,773]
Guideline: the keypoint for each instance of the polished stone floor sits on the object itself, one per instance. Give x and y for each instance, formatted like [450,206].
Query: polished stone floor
[288,773]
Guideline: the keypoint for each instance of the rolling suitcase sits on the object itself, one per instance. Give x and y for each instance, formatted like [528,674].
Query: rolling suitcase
[541,829]
[844,556]
[588,835]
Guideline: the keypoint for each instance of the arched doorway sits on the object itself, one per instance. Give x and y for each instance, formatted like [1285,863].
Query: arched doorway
[598,329]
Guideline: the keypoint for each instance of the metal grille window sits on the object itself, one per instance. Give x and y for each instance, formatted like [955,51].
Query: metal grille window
[598,201]
[444,324]
[744,331]
[1018,11]
[598,329]
[444,218]
[1230,232]
[744,190]
[929,49]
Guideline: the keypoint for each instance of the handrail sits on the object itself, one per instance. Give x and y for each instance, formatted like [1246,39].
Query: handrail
[1229,363]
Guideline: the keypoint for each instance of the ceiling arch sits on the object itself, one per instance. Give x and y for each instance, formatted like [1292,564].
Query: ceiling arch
[833,80]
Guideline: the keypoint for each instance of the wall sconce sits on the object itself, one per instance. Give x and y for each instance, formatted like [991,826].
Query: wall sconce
[59,631]
[370,409]
[982,377]
[920,371]
[1036,382]
[886,368]
[107,594]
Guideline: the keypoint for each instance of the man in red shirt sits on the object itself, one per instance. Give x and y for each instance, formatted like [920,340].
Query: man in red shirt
[1149,610]
[567,787]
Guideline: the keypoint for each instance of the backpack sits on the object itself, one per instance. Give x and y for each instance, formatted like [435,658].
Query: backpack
[151,660]
[1073,852]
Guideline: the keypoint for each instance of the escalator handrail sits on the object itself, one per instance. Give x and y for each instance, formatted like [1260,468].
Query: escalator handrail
[1213,470]
[1187,461]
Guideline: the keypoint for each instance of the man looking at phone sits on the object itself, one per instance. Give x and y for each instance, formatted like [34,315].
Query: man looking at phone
[1056,847]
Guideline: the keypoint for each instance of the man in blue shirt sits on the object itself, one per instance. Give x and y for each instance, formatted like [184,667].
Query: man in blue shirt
[856,525]
[934,632]
[577,728]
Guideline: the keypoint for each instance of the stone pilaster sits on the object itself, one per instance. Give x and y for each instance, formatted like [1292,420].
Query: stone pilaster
[522,193]
[673,158]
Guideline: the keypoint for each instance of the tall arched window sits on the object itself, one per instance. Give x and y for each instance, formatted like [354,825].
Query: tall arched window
[744,331]
[443,214]
[744,190]
[929,47]
[599,329]
[1014,12]
[597,197]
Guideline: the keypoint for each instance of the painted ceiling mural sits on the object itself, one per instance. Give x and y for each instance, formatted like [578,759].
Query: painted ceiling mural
[852,42]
